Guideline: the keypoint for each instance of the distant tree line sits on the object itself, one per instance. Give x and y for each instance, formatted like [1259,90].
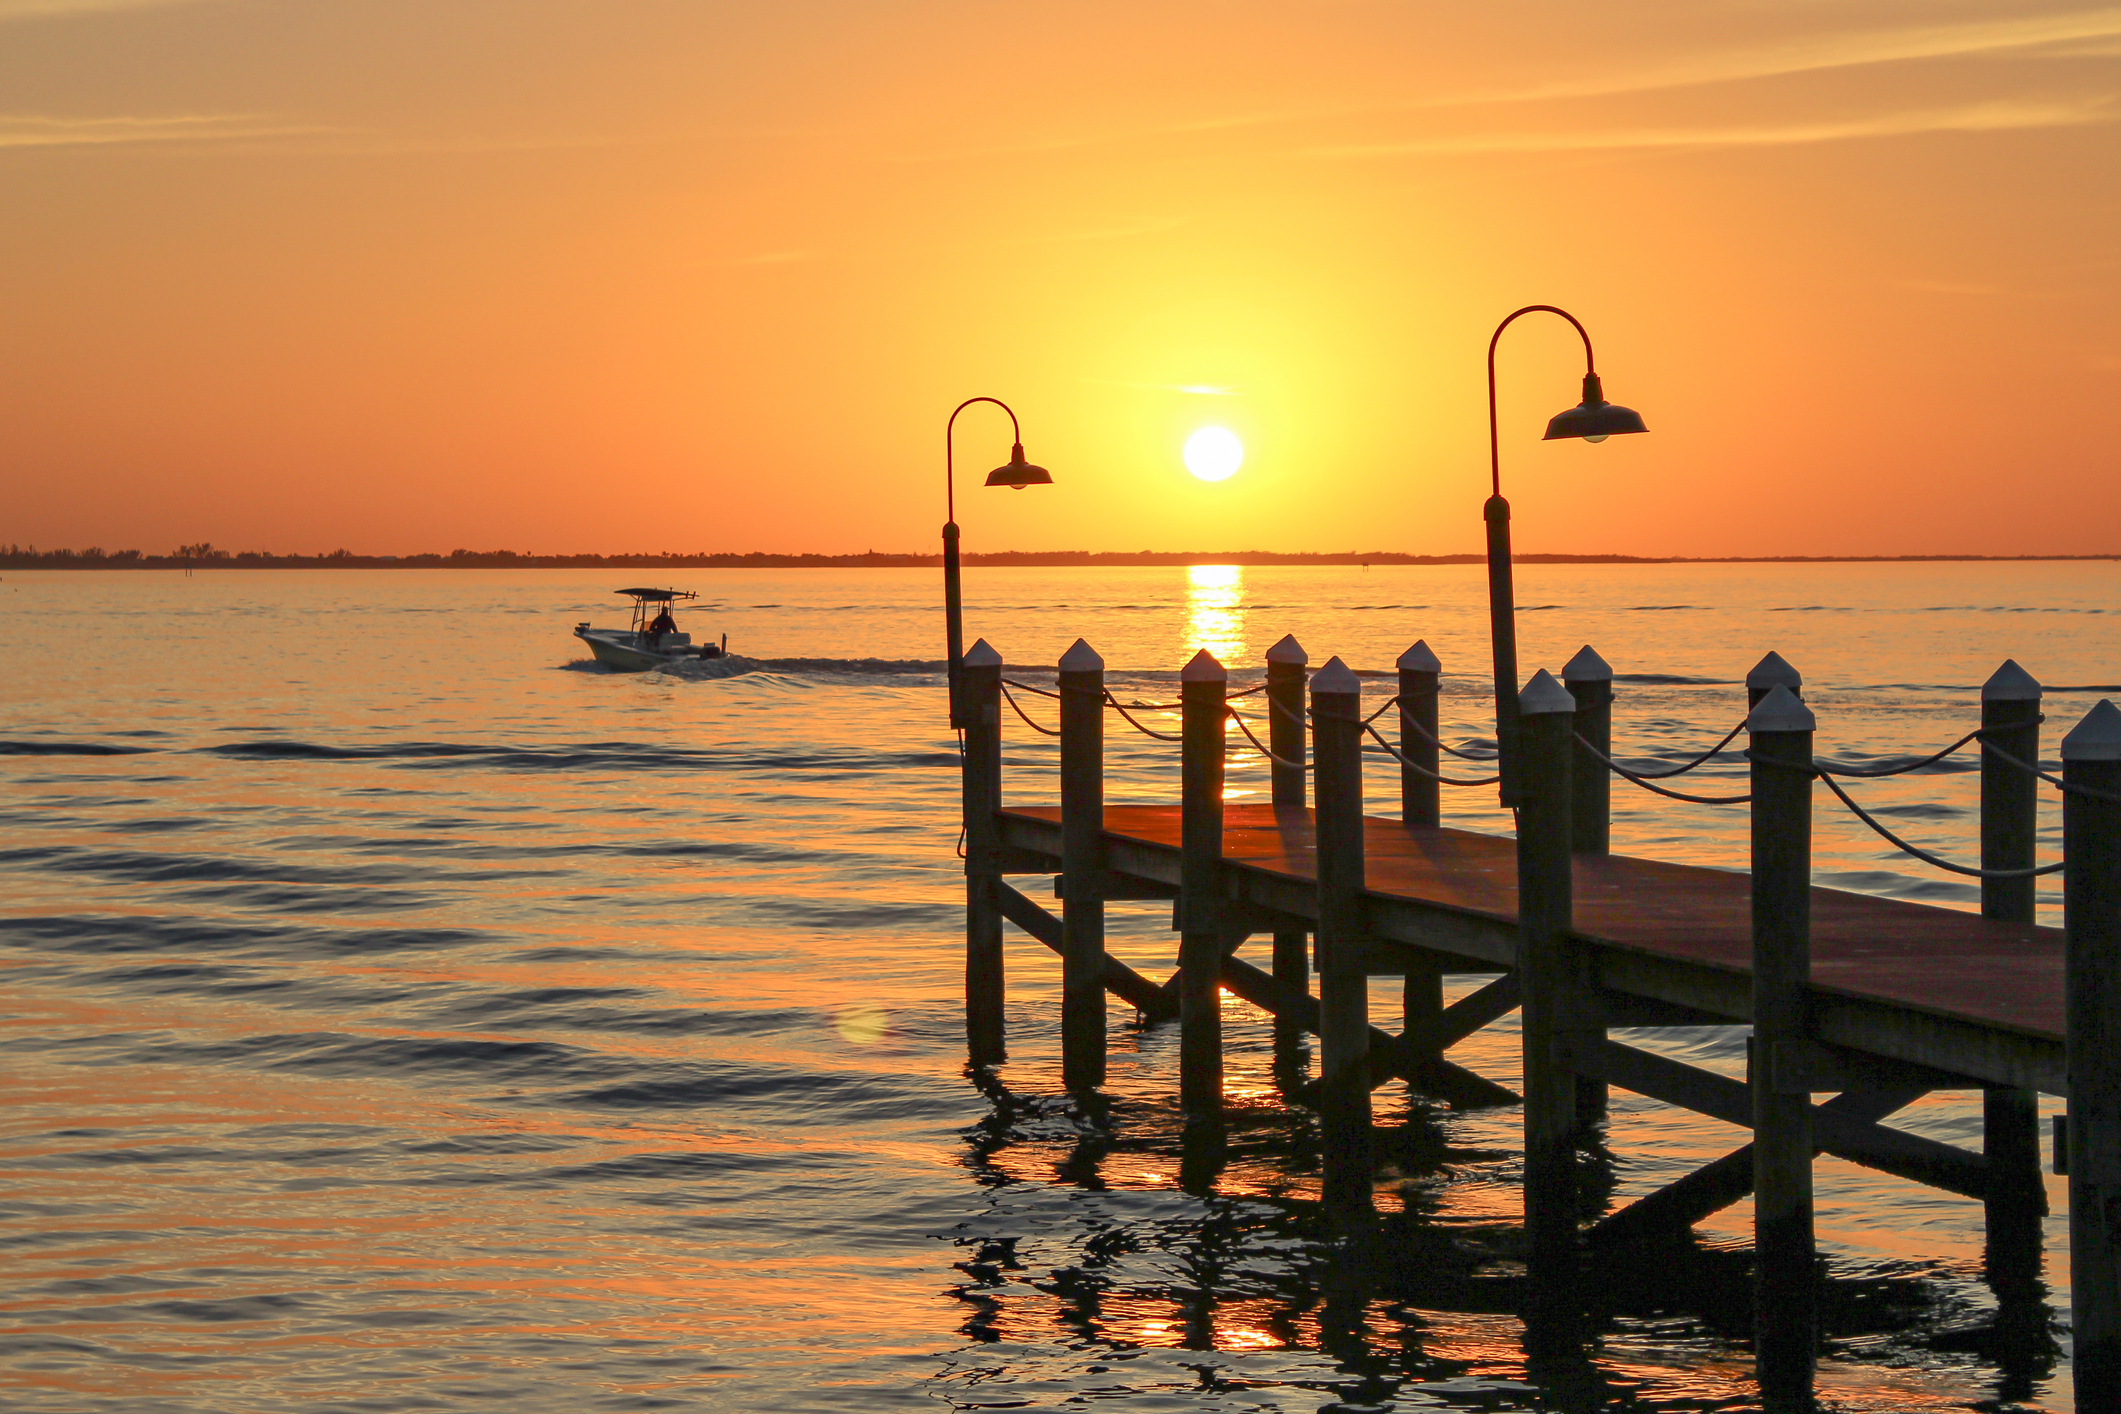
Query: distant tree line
[204,555]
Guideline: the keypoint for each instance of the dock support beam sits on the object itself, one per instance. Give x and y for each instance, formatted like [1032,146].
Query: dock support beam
[1343,984]
[1285,738]
[1590,681]
[1785,1321]
[2010,720]
[1420,794]
[1082,746]
[1557,1005]
[980,697]
[1203,687]
[2091,908]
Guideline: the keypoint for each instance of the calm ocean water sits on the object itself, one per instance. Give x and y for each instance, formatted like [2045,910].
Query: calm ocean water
[404,1015]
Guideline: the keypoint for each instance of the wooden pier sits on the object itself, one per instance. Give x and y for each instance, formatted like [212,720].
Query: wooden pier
[1871,1001]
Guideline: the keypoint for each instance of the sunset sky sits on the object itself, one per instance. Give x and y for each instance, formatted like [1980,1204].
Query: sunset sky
[622,276]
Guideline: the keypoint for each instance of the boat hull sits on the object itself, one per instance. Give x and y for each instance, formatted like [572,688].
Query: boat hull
[621,650]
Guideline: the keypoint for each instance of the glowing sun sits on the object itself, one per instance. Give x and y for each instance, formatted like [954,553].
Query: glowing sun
[1214,454]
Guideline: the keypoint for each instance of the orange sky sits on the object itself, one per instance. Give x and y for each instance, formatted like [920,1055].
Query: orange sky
[621,276]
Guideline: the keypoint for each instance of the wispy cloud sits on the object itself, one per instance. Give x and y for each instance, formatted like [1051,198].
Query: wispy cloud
[59,9]
[1812,53]
[1199,390]
[36,130]
[1950,287]
[2003,115]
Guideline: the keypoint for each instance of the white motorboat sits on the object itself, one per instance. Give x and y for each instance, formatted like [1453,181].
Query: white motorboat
[653,639]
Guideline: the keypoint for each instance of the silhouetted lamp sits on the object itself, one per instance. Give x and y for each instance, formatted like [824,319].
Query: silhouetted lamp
[1593,420]
[1016,475]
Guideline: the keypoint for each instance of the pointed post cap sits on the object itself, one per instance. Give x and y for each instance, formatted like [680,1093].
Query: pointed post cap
[1544,694]
[1081,658]
[1288,651]
[2097,737]
[2010,683]
[982,655]
[1203,667]
[1586,666]
[1781,711]
[1774,671]
[1420,659]
[1335,676]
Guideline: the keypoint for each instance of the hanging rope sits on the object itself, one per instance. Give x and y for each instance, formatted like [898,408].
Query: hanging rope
[1046,731]
[1277,760]
[1924,855]
[1423,733]
[1625,774]
[1825,770]
[1418,768]
[1682,770]
[2088,792]
[1113,703]
[1027,687]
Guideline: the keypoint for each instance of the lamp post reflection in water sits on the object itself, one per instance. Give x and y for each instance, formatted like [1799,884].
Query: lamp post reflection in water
[1215,610]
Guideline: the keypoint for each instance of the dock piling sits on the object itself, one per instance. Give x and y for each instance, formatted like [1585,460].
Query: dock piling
[1082,772]
[1203,693]
[2091,906]
[1785,1268]
[980,700]
[1420,795]
[1769,673]
[2017,1200]
[1590,681]
[1285,737]
[1555,1007]
[1343,982]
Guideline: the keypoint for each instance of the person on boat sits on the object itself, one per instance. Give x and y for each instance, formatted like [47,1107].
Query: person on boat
[660,625]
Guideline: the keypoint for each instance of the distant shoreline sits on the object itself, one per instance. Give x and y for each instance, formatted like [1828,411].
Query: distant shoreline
[19,559]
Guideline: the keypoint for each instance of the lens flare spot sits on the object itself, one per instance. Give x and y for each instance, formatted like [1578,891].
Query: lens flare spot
[1214,454]
[862,1025]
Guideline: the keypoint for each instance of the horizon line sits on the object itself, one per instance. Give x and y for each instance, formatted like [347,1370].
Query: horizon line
[205,556]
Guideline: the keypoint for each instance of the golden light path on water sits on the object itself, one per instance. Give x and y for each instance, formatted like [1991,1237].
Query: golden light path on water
[414,1018]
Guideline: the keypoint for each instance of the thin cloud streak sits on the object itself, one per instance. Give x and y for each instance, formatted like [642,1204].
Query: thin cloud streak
[11,10]
[35,130]
[1981,117]
[1835,51]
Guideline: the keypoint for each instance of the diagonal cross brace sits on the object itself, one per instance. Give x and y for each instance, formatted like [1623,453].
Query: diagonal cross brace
[1389,1055]
[1713,1187]
[1455,1084]
[1838,1130]
[1118,978]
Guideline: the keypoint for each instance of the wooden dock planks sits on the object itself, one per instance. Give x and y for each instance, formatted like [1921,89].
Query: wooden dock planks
[1924,984]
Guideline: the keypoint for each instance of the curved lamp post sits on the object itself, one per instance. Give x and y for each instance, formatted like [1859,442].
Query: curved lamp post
[1016,475]
[1594,419]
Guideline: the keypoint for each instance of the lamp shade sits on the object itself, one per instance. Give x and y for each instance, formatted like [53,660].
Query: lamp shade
[1594,417]
[1019,473]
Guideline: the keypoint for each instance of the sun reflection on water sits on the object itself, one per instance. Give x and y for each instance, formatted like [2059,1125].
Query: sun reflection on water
[1215,611]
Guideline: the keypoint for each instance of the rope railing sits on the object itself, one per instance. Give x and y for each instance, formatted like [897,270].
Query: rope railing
[1044,731]
[1924,855]
[2088,792]
[1264,751]
[1825,770]
[1418,768]
[1625,774]
[1641,776]
[1426,735]
[1113,703]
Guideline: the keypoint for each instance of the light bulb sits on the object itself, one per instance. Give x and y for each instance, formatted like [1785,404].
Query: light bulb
[1598,437]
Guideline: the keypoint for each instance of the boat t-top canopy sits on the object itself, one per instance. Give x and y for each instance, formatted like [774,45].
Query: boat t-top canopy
[657,596]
